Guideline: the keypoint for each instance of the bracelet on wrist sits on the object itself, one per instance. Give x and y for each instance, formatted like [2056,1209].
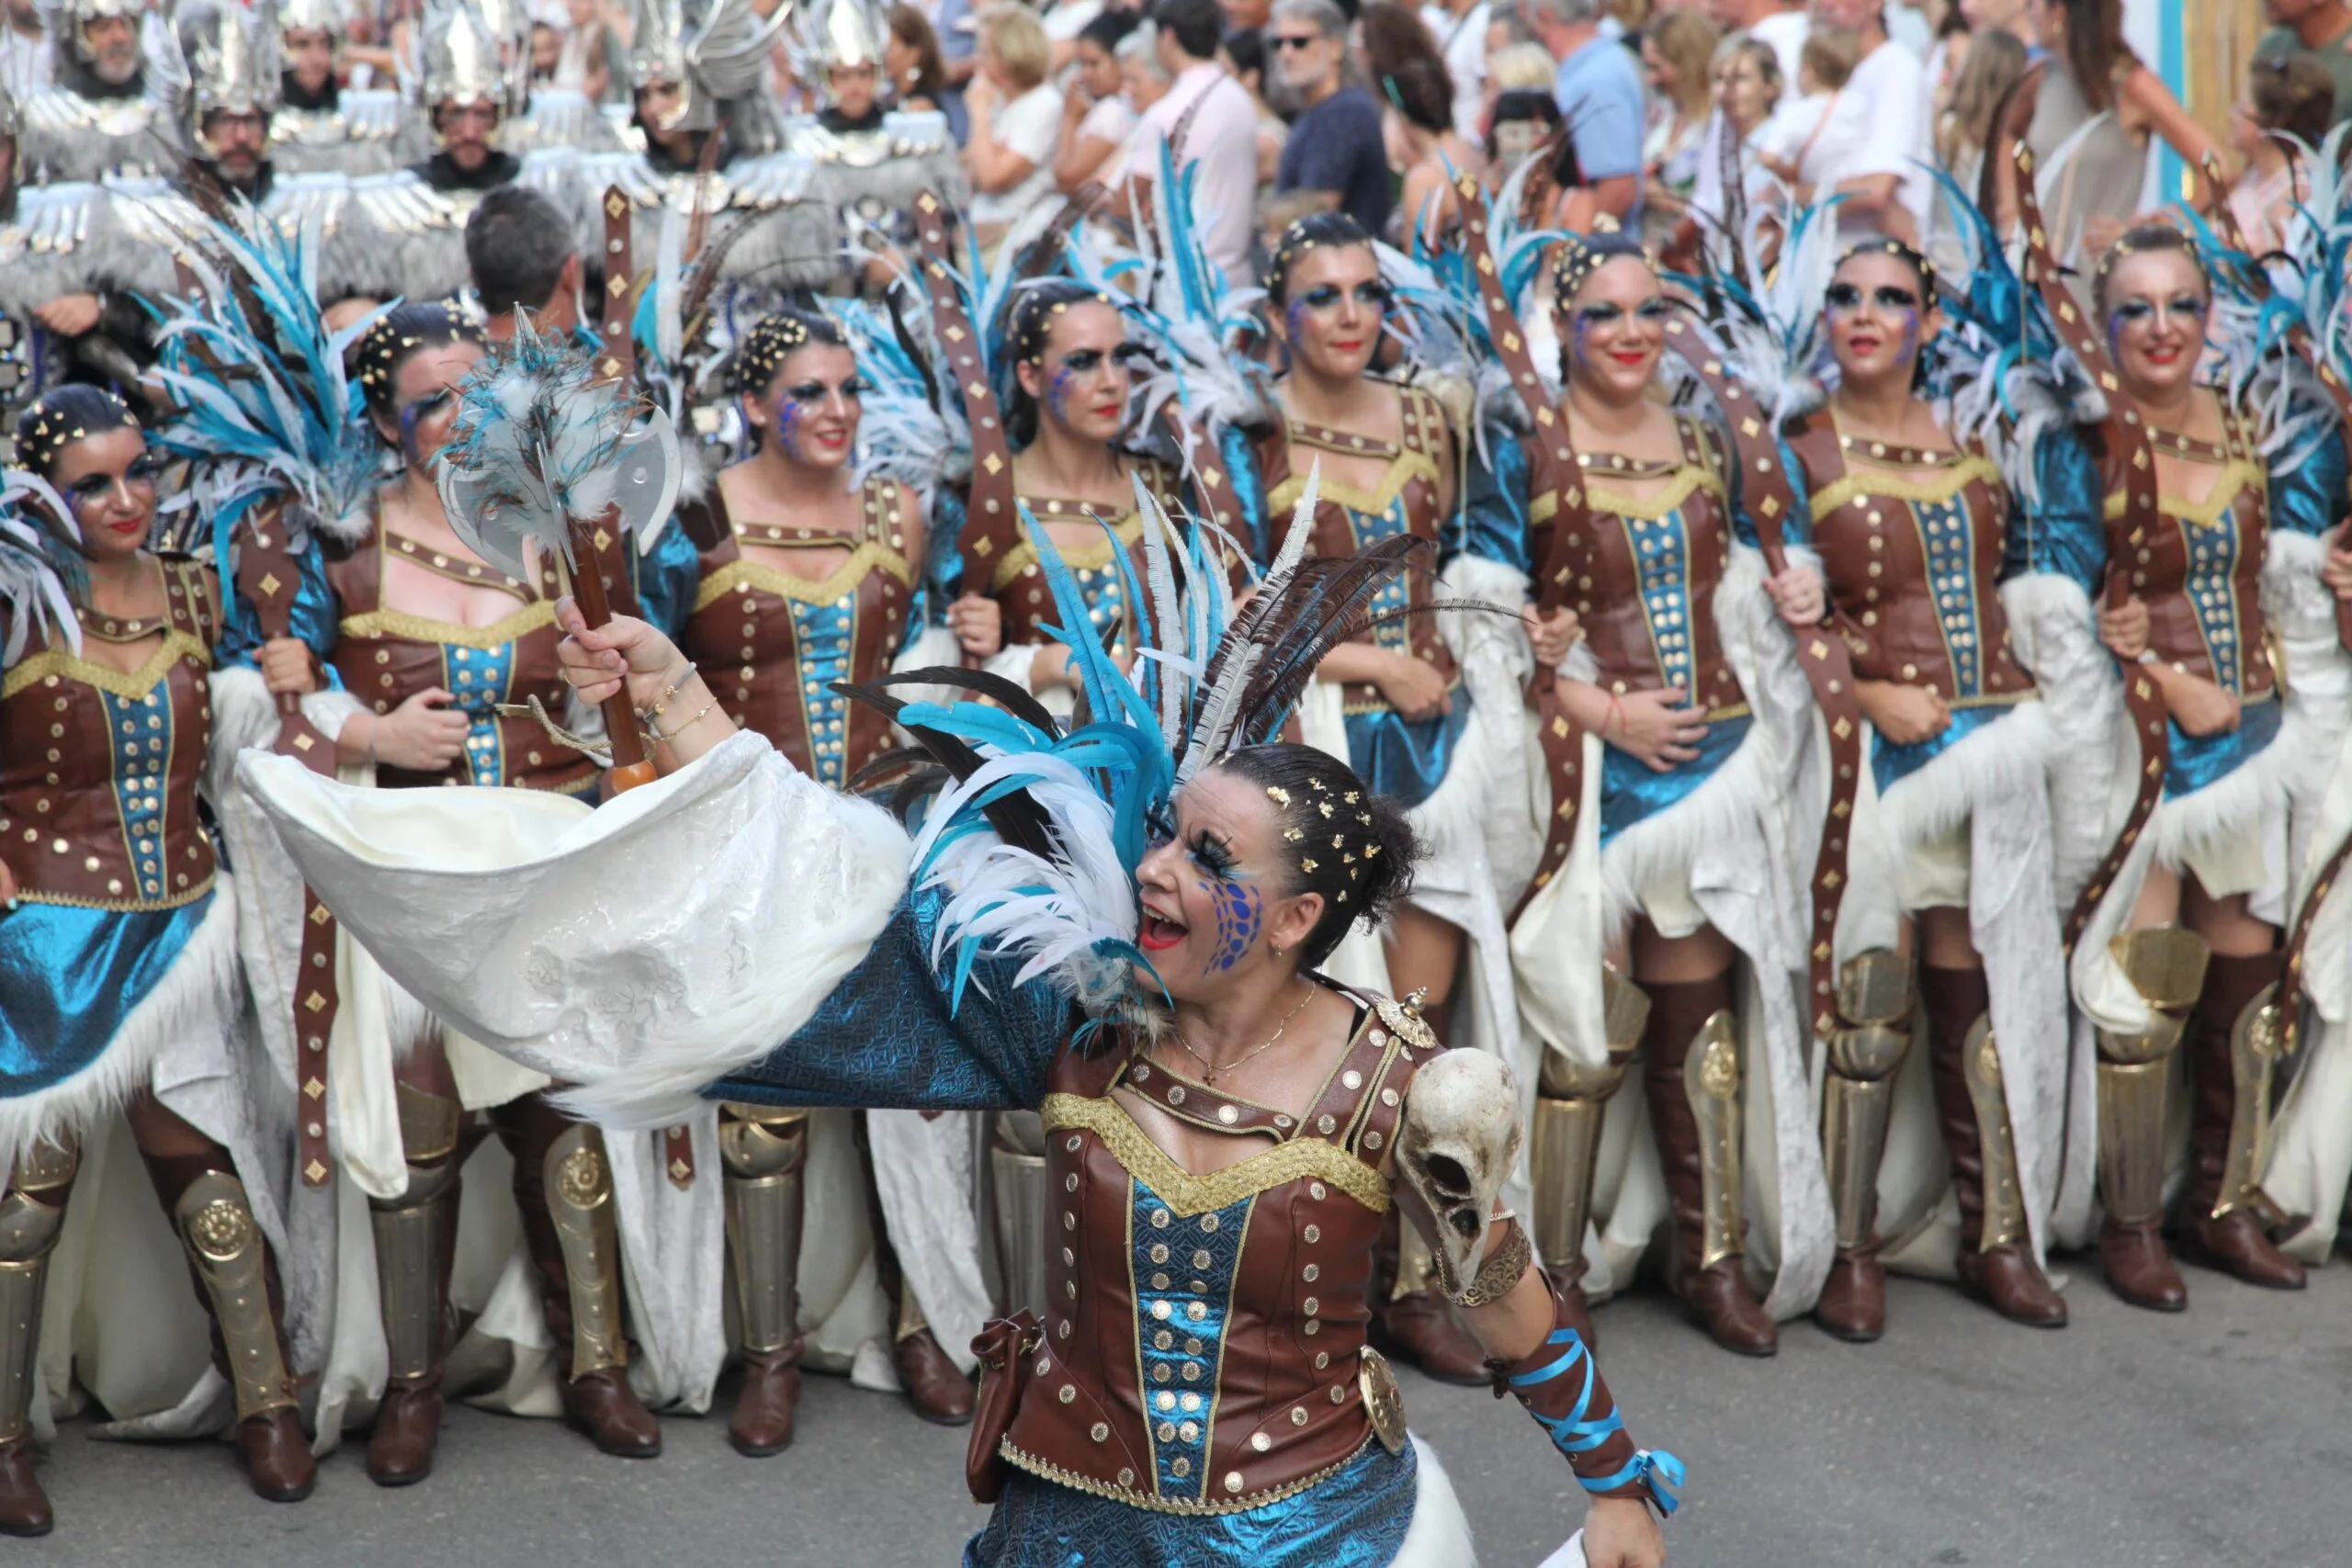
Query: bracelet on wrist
[1506,1264]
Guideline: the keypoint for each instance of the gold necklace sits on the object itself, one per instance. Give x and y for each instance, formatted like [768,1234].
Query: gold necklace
[1211,1069]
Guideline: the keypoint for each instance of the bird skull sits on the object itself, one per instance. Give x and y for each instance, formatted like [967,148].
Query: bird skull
[1457,1145]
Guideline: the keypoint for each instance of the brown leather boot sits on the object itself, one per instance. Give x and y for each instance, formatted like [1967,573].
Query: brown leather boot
[604,1405]
[1716,1293]
[761,1423]
[937,1388]
[408,1424]
[1419,1326]
[2140,1268]
[277,1456]
[2239,1241]
[24,1507]
[1852,1305]
[408,1418]
[2005,1276]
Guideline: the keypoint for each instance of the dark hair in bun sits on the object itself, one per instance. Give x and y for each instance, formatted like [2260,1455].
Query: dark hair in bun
[1339,839]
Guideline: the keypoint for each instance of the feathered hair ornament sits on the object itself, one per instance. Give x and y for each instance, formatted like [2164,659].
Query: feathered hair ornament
[1766,322]
[262,405]
[40,564]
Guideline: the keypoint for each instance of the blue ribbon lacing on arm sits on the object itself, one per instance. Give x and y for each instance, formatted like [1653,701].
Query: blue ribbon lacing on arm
[1658,1472]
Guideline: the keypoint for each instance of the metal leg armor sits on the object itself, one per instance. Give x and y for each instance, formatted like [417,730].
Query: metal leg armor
[1711,1079]
[1017,1168]
[2167,966]
[765,1152]
[580,1201]
[1571,1100]
[2225,1218]
[2004,1223]
[31,1214]
[1875,1002]
[414,1233]
[2256,1041]
[216,1224]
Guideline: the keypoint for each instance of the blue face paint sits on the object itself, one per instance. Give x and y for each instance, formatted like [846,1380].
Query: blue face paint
[1060,388]
[789,439]
[1239,912]
[1910,335]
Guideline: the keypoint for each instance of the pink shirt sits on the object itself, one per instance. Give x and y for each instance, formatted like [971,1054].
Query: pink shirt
[1221,141]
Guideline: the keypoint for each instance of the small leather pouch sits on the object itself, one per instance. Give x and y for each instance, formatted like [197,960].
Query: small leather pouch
[1003,1348]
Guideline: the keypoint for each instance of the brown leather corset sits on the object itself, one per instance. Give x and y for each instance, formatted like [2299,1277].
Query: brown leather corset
[98,769]
[1204,1346]
[2200,570]
[1914,566]
[1346,519]
[771,645]
[1646,571]
[387,656]
[1017,583]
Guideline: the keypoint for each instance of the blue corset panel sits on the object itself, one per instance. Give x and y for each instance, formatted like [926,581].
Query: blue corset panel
[823,636]
[2211,591]
[1631,792]
[1357,1518]
[2195,762]
[1405,757]
[1890,764]
[70,976]
[479,677]
[1184,1295]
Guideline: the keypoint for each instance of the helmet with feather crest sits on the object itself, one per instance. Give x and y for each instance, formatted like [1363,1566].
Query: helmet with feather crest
[233,60]
[713,51]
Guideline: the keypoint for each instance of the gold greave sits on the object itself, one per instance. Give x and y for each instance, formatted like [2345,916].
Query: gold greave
[765,1152]
[216,1224]
[1571,1103]
[411,1234]
[1874,1006]
[2004,1217]
[1017,1174]
[580,1202]
[31,1214]
[429,1124]
[1711,1080]
[2166,965]
[2257,1041]
[910,1318]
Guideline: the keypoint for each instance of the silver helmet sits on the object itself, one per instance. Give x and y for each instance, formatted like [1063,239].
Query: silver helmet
[842,32]
[466,61]
[312,16]
[714,51]
[233,58]
[67,19]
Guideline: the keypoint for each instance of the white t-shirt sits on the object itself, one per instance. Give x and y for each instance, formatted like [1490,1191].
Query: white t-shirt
[1221,142]
[1109,121]
[1028,126]
[1463,40]
[1786,32]
[1828,134]
[1892,84]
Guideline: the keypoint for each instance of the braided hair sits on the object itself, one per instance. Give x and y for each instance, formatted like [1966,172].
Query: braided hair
[1339,839]
[775,339]
[1313,231]
[1029,321]
[399,335]
[2141,240]
[63,415]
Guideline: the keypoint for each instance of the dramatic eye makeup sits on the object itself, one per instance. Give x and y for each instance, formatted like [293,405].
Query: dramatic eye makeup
[1886,296]
[1085,360]
[143,470]
[817,392]
[2140,308]
[1203,849]
[1372,295]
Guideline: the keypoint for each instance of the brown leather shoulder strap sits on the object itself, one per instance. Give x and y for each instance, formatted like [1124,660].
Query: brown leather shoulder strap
[991,517]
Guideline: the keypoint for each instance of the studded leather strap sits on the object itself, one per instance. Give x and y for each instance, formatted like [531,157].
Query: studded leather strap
[992,518]
[1196,1103]
[267,575]
[1551,470]
[618,361]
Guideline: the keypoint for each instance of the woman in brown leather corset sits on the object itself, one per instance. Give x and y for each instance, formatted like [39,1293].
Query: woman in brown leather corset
[1394,699]
[809,581]
[1677,617]
[2187,937]
[1950,861]
[1066,418]
[433,641]
[118,937]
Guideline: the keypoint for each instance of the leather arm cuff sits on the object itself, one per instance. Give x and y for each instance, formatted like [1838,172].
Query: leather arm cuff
[1561,1386]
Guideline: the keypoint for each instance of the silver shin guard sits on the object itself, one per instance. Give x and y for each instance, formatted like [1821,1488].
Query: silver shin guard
[1711,1082]
[414,1231]
[31,1214]
[2167,966]
[580,1202]
[1874,1004]
[1571,1103]
[765,1152]
[216,1226]
[1017,1170]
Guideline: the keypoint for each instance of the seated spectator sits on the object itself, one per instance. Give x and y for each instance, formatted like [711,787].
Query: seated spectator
[2286,96]
[911,56]
[1096,120]
[1016,119]
[1334,158]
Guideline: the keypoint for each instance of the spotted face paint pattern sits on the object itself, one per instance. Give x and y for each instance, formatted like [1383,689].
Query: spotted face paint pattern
[1240,911]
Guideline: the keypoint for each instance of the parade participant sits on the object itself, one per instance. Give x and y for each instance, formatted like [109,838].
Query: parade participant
[1400,699]
[2226,595]
[1184,1397]
[1950,861]
[49,304]
[322,124]
[872,157]
[810,584]
[1701,727]
[118,945]
[98,115]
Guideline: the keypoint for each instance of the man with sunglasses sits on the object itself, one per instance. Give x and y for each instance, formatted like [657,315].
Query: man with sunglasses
[1334,159]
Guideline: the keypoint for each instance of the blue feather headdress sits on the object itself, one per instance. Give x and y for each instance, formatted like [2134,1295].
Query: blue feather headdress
[263,406]
[1766,322]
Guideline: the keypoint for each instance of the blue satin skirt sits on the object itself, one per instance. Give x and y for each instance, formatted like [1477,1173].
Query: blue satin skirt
[1357,1518]
[2195,760]
[1405,759]
[1630,791]
[70,976]
[1890,764]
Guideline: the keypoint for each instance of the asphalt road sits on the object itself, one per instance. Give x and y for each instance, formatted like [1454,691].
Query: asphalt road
[2215,1440]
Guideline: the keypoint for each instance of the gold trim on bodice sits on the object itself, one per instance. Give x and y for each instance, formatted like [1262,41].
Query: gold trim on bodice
[1403,468]
[2238,476]
[865,556]
[418,628]
[1881,483]
[1685,480]
[1092,556]
[1188,1194]
[130,685]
